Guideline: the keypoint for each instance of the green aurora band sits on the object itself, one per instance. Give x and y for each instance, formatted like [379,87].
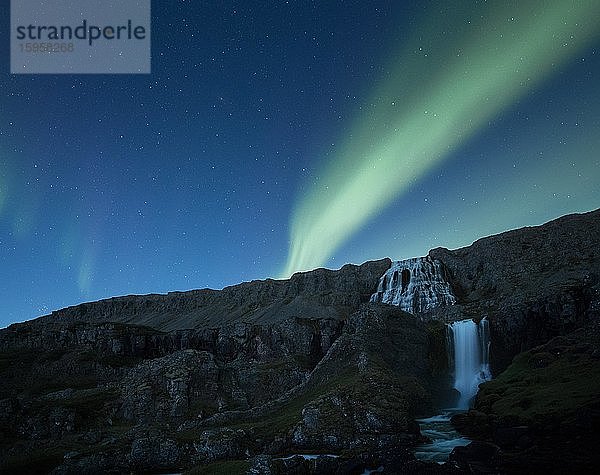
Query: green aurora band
[446,88]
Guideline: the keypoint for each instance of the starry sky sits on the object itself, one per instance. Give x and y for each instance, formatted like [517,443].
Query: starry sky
[279,136]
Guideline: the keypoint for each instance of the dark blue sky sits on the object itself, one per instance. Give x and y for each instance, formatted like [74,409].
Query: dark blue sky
[190,177]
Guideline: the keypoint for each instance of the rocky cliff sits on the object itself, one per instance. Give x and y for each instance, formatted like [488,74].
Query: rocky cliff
[532,283]
[244,378]
[321,293]
[543,413]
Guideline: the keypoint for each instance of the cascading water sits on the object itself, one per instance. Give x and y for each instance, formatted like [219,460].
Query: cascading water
[468,354]
[415,285]
[421,285]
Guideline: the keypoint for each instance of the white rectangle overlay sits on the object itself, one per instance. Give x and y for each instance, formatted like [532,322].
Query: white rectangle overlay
[80,37]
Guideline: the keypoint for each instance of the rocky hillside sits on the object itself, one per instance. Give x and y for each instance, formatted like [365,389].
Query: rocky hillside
[244,378]
[532,283]
[117,397]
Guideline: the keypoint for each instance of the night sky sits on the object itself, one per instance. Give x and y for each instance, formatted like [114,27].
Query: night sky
[280,136]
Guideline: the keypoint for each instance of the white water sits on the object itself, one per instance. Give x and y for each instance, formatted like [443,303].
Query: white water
[419,285]
[470,345]
[415,285]
[468,351]
[443,438]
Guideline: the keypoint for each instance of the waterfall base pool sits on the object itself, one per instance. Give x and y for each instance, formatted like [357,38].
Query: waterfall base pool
[443,437]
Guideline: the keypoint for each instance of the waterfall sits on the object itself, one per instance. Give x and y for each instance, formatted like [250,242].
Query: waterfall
[470,357]
[415,285]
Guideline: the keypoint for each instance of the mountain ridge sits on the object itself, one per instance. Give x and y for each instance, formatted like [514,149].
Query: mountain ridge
[276,287]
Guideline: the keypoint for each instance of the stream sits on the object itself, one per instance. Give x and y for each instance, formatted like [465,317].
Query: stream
[443,437]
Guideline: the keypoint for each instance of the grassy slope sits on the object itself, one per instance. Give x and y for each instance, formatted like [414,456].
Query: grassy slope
[553,382]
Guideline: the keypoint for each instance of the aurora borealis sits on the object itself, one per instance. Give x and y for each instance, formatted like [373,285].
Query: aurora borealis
[278,137]
[431,104]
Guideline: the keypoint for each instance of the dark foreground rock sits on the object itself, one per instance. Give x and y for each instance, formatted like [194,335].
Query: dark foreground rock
[477,457]
[301,386]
